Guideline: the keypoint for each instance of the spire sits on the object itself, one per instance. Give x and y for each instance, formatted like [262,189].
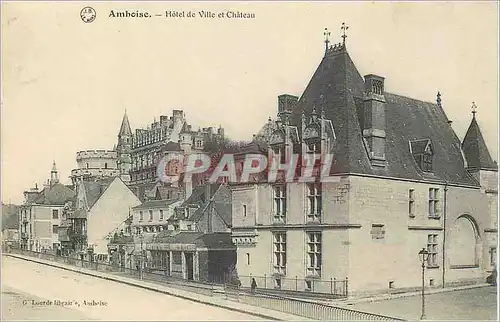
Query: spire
[475,150]
[54,178]
[344,29]
[327,39]
[125,128]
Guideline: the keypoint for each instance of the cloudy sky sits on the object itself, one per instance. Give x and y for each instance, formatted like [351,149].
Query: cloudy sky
[66,84]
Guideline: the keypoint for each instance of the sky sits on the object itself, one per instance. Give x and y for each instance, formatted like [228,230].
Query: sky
[66,83]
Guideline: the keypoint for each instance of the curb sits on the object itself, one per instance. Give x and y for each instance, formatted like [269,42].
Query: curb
[151,288]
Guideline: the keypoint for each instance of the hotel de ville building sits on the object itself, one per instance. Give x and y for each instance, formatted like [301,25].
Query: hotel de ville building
[405,182]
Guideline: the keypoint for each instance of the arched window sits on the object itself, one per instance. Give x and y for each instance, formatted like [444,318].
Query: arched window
[464,243]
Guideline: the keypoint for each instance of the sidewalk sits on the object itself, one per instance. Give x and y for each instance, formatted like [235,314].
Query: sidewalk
[384,297]
[203,299]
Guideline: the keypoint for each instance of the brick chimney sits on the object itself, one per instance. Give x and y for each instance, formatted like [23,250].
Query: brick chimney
[374,119]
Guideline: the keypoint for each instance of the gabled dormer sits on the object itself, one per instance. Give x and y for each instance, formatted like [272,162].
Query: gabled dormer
[423,153]
[317,133]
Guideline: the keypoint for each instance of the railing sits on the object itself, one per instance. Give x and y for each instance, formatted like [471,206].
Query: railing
[242,294]
[302,308]
[157,277]
[336,288]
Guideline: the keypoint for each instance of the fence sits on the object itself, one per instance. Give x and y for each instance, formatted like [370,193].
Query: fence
[242,294]
[302,308]
[336,288]
[158,277]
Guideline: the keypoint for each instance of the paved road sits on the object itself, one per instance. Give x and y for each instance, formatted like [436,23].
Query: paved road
[25,286]
[473,304]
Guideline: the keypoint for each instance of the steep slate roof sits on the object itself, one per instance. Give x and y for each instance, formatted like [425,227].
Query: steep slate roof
[475,149]
[57,194]
[407,119]
[198,195]
[155,204]
[125,127]
[95,189]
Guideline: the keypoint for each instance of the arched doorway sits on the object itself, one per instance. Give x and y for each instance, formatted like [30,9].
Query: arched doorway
[465,243]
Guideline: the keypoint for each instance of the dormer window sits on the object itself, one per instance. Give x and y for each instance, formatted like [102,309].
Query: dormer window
[314,147]
[423,154]
[280,150]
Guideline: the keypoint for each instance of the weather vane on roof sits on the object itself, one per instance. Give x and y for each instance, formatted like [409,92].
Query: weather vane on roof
[327,40]
[474,108]
[344,29]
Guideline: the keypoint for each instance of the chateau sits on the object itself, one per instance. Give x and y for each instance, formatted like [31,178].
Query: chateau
[135,157]
[406,182]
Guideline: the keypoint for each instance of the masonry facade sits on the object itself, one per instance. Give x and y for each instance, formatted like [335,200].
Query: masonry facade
[403,182]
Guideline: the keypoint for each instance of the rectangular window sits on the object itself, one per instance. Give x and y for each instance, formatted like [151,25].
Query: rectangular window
[161,214]
[433,202]
[279,241]
[432,248]
[244,210]
[55,214]
[151,215]
[280,203]
[176,258]
[411,202]
[427,162]
[314,254]
[378,231]
[141,216]
[281,151]
[248,258]
[314,147]
[188,227]
[314,199]
[55,228]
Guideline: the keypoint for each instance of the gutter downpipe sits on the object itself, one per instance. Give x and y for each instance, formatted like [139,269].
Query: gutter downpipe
[444,229]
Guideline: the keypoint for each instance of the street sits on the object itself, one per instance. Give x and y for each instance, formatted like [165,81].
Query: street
[32,291]
[472,304]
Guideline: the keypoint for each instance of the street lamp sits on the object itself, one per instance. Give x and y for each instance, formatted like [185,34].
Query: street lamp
[141,265]
[423,256]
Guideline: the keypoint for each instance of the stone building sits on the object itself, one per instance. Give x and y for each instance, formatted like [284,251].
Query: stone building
[169,134]
[41,214]
[102,208]
[404,182]
[95,164]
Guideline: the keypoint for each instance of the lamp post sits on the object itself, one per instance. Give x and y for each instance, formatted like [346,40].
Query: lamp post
[423,255]
[141,266]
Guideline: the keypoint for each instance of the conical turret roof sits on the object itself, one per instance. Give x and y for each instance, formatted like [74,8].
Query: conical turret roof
[125,128]
[475,149]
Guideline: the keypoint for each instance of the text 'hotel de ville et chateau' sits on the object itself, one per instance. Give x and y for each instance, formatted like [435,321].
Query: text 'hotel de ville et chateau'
[405,182]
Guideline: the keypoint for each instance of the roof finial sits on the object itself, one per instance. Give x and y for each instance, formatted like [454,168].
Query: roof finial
[314,112]
[438,99]
[474,108]
[344,29]
[327,40]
